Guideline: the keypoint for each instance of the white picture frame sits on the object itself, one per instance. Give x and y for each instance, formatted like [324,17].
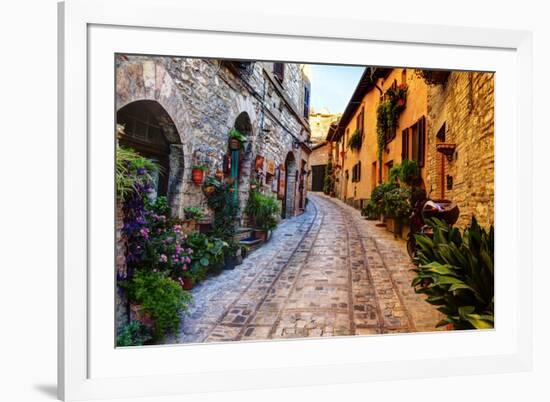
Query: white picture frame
[83,27]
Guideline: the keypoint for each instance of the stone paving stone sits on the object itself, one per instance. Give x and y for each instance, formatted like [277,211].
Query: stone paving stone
[328,272]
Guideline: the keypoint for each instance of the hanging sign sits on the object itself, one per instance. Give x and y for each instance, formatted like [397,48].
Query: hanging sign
[270,167]
[282,178]
[259,165]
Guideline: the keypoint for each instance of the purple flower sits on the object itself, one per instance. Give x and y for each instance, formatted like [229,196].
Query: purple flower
[141,171]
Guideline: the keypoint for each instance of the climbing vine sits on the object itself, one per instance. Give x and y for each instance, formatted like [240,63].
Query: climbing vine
[387,114]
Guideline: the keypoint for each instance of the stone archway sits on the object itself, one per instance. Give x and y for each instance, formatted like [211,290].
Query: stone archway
[290,186]
[146,80]
[150,131]
[244,157]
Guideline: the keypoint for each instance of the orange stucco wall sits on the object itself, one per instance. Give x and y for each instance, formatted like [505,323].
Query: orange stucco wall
[416,108]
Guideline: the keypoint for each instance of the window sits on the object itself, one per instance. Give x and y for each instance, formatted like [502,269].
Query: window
[279,71]
[418,139]
[360,121]
[441,133]
[356,172]
[306,100]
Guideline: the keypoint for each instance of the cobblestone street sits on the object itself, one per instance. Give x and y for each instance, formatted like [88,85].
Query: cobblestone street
[327,272]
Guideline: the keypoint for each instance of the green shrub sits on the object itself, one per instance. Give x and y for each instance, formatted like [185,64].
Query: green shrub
[263,210]
[370,211]
[134,334]
[208,254]
[225,206]
[193,213]
[407,172]
[158,206]
[456,272]
[161,297]
[378,196]
[396,203]
[328,180]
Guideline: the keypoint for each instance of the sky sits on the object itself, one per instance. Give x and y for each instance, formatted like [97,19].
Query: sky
[332,86]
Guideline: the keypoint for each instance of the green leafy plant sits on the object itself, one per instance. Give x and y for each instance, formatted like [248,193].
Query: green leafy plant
[371,211]
[237,135]
[200,167]
[131,169]
[208,254]
[194,213]
[456,272]
[377,199]
[328,180]
[134,334]
[355,141]
[396,203]
[161,297]
[158,206]
[263,210]
[407,172]
[226,209]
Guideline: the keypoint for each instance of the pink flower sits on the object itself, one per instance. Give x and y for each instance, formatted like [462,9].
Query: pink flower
[185,268]
[187,260]
[144,232]
[163,258]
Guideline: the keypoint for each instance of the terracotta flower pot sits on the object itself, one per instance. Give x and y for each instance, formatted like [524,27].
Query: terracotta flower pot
[234,144]
[187,284]
[197,176]
[260,234]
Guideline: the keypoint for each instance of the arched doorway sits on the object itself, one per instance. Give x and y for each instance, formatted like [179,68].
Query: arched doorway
[149,130]
[291,173]
[240,159]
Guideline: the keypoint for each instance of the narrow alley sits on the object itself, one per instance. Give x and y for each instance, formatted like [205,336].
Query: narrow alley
[327,272]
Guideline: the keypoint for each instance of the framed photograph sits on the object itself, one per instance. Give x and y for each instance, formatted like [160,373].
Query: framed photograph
[294,200]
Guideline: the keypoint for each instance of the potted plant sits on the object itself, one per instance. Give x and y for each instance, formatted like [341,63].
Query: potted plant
[397,208]
[193,213]
[236,139]
[197,173]
[355,141]
[263,210]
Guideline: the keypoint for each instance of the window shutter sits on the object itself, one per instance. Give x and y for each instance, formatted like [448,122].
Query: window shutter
[279,71]
[405,144]
[359,171]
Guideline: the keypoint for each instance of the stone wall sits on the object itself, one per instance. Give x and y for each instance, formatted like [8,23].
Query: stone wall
[464,106]
[320,122]
[204,97]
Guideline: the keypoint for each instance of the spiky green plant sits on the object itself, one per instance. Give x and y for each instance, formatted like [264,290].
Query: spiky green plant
[456,272]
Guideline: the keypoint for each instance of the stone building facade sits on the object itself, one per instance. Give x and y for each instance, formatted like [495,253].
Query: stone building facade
[461,119]
[320,121]
[194,103]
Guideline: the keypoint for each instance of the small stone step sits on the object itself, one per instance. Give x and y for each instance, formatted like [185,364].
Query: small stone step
[251,243]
